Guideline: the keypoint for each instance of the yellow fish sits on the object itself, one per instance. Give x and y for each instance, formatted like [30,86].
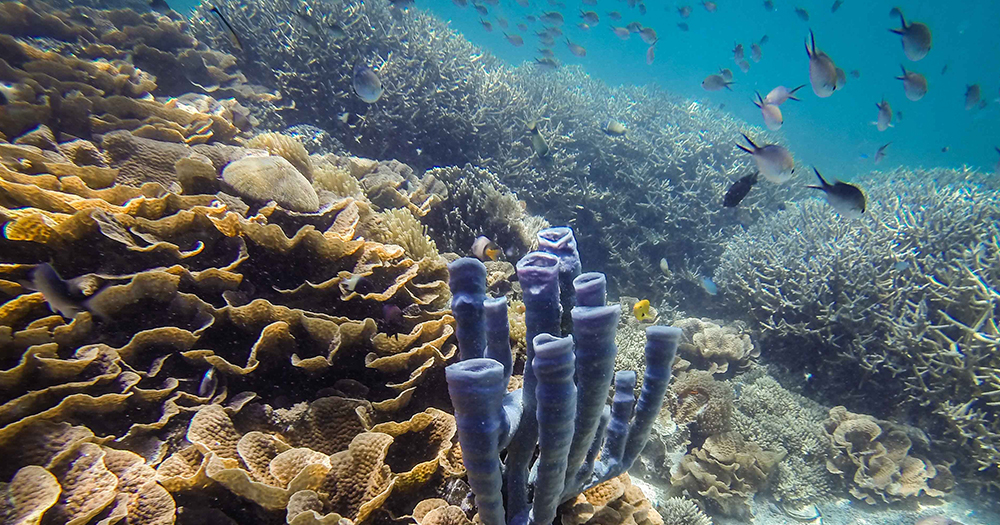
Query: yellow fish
[641,310]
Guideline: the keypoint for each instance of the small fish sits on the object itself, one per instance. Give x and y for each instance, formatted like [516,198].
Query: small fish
[642,9]
[755,52]
[684,11]
[665,266]
[899,114]
[481,9]
[726,74]
[554,31]
[884,121]
[709,285]
[651,54]
[737,52]
[768,5]
[392,321]
[709,6]
[780,94]
[641,310]
[552,17]
[614,128]
[836,5]
[547,63]
[486,25]
[914,84]
[735,194]
[972,94]
[634,27]
[822,70]
[367,83]
[715,83]
[621,32]
[521,26]
[460,3]
[357,284]
[846,198]
[209,381]
[901,266]
[744,65]
[537,141]
[576,49]
[771,113]
[880,154]
[945,149]
[803,14]
[764,40]
[590,17]
[502,22]
[648,35]
[485,250]
[546,52]
[916,37]
[683,26]
[515,40]
[159,6]
[227,29]
[944,69]
[589,2]
[63,296]
[530,19]
[615,15]
[774,162]
[583,26]
[855,73]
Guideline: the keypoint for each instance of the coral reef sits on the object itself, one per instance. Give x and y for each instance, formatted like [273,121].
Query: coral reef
[918,319]
[564,386]
[875,457]
[615,502]
[712,347]
[682,511]
[634,200]
[725,472]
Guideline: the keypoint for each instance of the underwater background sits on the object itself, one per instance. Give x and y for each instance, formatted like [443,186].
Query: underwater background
[338,262]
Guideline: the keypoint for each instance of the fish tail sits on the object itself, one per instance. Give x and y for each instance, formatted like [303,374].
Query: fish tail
[812,39]
[792,92]
[729,84]
[748,140]
[823,183]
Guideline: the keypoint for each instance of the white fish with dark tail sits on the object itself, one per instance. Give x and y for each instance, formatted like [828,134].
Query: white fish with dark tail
[614,128]
[884,121]
[590,17]
[367,83]
[822,70]
[880,154]
[485,250]
[648,35]
[744,65]
[208,384]
[63,296]
[576,49]
[972,94]
[515,40]
[846,198]
[755,52]
[916,37]
[781,94]
[715,83]
[650,54]
[771,113]
[774,162]
[547,63]
[537,141]
[621,32]
[914,84]
[726,74]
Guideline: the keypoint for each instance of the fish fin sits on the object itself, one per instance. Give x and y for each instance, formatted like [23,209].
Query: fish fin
[744,148]
[822,181]
[760,101]
[729,84]
[817,187]
[897,31]
[812,39]
[791,94]
[895,11]
[748,140]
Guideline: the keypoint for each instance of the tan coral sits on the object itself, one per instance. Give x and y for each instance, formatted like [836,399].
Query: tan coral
[289,148]
[697,397]
[267,178]
[419,446]
[31,492]
[614,502]
[713,347]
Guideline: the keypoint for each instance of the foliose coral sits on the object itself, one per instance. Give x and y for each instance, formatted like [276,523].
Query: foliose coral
[565,386]
[919,319]
[712,347]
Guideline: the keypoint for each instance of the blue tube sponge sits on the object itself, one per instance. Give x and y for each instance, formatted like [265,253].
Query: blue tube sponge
[556,395]
[538,273]
[467,280]
[477,390]
[617,433]
[594,327]
[661,347]
[498,334]
[561,242]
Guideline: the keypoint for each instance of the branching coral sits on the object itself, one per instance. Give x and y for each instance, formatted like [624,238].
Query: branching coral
[908,296]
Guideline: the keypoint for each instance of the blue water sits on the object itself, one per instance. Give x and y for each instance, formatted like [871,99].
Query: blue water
[835,133]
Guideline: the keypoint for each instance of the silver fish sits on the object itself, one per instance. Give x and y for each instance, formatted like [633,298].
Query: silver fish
[715,83]
[547,63]
[880,154]
[916,37]
[621,32]
[651,54]
[726,74]
[846,198]
[367,83]
[590,17]
[822,70]
[515,40]
[914,84]
[537,141]
[755,52]
[780,94]
[64,296]
[884,121]
[552,17]
[972,94]
[614,128]
[774,162]
[206,388]
[648,35]
[771,113]
[576,49]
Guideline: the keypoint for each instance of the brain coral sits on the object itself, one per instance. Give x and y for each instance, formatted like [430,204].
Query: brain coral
[908,297]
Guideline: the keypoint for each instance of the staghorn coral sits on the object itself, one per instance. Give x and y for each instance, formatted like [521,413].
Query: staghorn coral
[682,511]
[918,319]
[712,347]
[875,458]
[725,472]
[653,194]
